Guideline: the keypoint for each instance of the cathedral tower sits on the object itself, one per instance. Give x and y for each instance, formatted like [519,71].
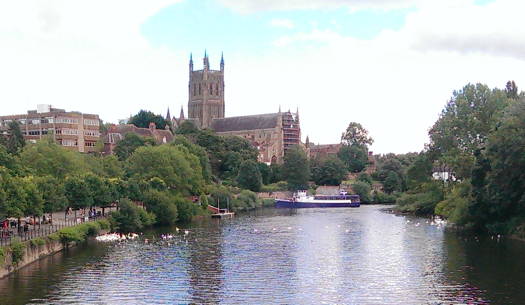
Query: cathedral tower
[206,93]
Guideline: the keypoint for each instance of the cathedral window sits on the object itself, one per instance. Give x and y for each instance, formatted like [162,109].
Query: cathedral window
[200,92]
[211,89]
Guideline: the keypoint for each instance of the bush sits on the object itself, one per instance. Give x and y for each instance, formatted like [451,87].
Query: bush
[72,234]
[163,205]
[104,224]
[381,198]
[17,251]
[364,177]
[268,202]
[130,217]
[246,200]
[422,203]
[275,187]
[363,190]
[2,256]
[36,242]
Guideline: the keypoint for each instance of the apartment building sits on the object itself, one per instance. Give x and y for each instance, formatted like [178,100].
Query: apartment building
[71,129]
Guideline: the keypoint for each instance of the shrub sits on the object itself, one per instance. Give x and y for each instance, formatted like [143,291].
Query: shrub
[130,217]
[104,224]
[36,242]
[2,256]
[72,234]
[17,251]
[363,190]
[268,202]
[163,205]
[380,197]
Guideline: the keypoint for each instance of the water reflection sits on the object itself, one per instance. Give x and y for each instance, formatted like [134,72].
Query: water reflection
[323,256]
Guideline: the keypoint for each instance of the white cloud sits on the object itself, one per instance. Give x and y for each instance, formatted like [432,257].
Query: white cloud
[90,56]
[83,55]
[495,29]
[250,6]
[282,23]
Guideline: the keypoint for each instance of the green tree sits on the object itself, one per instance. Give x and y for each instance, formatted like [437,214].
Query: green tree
[355,157]
[78,193]
[15,140]
[296,169]
[130,143]
[199,152]
[99,190]
[163,205]
[356,134]
[276,173]
[53,193]
[329,171]
[47,158]
[265,172]
[13,201]
[420,171]
[112,167]
[464,126]
[363,190]
[130,217]
[144,118]
[249,176]
[364,177]
[392,183]
[174,164]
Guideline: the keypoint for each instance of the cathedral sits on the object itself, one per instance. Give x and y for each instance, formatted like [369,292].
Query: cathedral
[271,133]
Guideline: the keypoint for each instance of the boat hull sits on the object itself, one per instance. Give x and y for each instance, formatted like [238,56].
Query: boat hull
[298,204]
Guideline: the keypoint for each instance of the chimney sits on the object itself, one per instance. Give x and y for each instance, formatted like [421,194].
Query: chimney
[152,126]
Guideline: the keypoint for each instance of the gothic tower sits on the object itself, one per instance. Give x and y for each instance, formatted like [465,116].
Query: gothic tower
[206,93]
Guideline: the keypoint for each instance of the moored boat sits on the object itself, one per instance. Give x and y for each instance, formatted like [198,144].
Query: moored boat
[302,200]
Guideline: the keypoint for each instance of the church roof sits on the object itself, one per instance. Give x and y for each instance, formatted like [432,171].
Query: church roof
[248,122]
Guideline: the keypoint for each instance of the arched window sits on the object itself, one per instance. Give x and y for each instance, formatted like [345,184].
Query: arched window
[217,89]
[200,92]
[211,89]
[194,90]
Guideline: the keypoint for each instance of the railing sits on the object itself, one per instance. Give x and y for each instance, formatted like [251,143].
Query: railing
[8,235]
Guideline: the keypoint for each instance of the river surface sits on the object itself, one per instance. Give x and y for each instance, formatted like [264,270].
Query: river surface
[280,256]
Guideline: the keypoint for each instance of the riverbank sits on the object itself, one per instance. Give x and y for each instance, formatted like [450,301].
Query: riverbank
[21,254]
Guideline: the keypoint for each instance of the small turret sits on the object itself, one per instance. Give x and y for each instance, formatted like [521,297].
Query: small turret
[181,116]
[168,116]
[191,62]
[206,61]
[222,61]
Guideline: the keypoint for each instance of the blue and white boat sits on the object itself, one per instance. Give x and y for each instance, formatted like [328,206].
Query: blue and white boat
[302,200]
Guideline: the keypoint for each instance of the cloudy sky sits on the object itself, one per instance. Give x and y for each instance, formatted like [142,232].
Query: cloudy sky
[389,64]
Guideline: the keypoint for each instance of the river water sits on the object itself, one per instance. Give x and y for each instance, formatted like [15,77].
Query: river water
[280,256]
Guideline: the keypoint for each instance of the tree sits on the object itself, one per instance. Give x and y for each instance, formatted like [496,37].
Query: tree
[13,201]
[329,171]
[392,183]
[276,173]
[187,128]
[130,143]
[163,205]
[15,140]
[363,190]
[47,158]
[174,164]
[511,90]
[364,177]
[130,217]
[420,171]
[464,126]
[199,152]
[144,118]
[354,156]
[265,172]
[99,190]
[53,193]
[78,193]
[296,169]
[249,176]
[356,134]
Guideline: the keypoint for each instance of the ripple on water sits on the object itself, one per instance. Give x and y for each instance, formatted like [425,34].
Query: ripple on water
[330,256]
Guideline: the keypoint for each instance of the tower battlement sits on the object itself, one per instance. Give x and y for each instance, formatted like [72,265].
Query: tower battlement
[206,93]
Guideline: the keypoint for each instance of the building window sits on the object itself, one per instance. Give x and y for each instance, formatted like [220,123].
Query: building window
[69,142]
[34,132]
[91,122]
[91,144]
[93,133]
[211,89]
[67,120]
[200,92]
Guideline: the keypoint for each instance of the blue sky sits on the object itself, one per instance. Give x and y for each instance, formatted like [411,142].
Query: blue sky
[198,25]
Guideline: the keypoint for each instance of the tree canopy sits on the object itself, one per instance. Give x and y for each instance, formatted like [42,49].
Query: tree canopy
[296,168]
[356,134]
[144,118]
